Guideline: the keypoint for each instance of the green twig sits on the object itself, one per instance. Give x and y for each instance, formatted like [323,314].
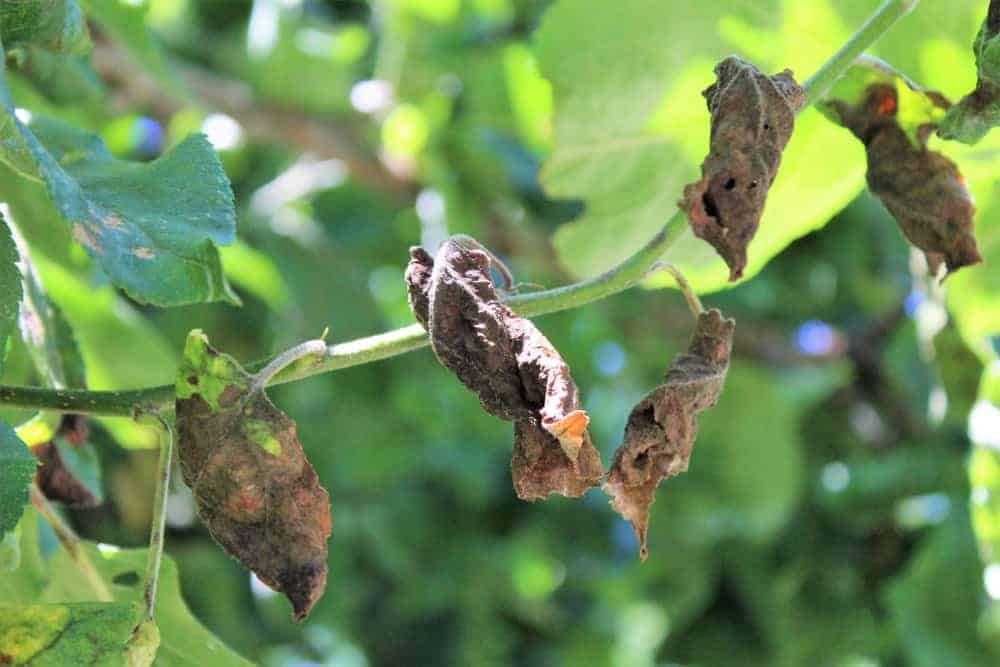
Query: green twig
[71,543]
[392,343]
[155,554]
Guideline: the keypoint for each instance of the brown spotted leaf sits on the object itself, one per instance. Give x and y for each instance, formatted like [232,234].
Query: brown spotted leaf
[68,471]
[511,366]
[253,486]
[923,190]
[752,119]
[661,429]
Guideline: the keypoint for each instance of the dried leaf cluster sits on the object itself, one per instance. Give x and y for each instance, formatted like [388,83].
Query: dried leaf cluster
[752,120]
[519,376]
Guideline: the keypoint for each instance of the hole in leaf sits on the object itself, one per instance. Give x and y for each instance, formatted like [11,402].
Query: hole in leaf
[710,207]
[126,579]
[752,185]
[767,126]
[730,184]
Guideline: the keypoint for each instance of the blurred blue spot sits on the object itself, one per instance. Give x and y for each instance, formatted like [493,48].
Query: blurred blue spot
[925,510]
[623,537]
[609,358]
[995,342]
[815,338]
[147,136]
[912,302]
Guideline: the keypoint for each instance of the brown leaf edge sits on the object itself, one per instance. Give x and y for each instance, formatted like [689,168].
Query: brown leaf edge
[753,116]
[54,478]
[511,366]
[254,488]
[661,429]
[922,189]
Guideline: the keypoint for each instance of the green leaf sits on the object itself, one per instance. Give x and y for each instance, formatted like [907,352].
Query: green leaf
[979,111]
[936,603]
[17,466]
[26,583]
[631,128]
[152,227]
[10,287]
[55,25]
[94,633]
[183,640]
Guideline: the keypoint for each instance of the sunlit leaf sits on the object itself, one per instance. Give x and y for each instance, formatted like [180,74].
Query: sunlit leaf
[94,633]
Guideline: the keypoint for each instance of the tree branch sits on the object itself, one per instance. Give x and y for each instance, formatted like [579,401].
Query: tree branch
[399,341]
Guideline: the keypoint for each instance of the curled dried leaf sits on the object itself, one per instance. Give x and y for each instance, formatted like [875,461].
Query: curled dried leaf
[923,190]
[68,472]
[661,429]
[511,366]
[752,120]
[254,488]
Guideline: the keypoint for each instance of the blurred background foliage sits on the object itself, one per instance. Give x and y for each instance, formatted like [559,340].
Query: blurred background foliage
[843,502]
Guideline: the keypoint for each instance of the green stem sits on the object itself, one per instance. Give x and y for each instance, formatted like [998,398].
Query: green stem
[155,554]
[392,343]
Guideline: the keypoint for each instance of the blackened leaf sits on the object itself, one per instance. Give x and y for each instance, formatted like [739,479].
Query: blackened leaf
[86,633]
[922,189]
[151,226]
[509,364]
[752,120]
[253,486]
[17,467]
[661,429]
[979,111]
[69,471]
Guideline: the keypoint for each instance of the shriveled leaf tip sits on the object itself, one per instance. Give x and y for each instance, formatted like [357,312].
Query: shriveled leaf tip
[254,488]
[661,429]
[752,120]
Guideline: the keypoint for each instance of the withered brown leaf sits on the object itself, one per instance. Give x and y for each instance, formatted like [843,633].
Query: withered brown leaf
[923,190]
[54,477]
[661,429]
[254,488]
[752,120]
[511,366]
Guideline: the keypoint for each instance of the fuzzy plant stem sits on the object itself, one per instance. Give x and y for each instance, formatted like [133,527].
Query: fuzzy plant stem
[628,273]
[158,525]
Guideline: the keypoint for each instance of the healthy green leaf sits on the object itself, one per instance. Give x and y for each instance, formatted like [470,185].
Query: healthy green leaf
[152,227]
[55,25]
[50,635]
[10,287]
[630,128]
[979,111]
[17,467]
[183,640]
[25,584]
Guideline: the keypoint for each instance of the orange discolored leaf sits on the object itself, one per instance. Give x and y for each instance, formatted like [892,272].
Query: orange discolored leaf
[661,429]
[752,119]
[923,190]
[511,366]
[253,486]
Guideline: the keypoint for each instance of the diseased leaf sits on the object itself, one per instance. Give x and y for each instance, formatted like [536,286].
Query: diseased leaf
[661,429]
[922,189]
[17,467]
[152,226]
[979,111]
[94,633]
[69,472]
[140,651]
[184,641]
[752,120]
[509,364]
[253,486]
[55,25]
[10,287]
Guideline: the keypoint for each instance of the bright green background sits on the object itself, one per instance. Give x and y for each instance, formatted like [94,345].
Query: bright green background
[826,515]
